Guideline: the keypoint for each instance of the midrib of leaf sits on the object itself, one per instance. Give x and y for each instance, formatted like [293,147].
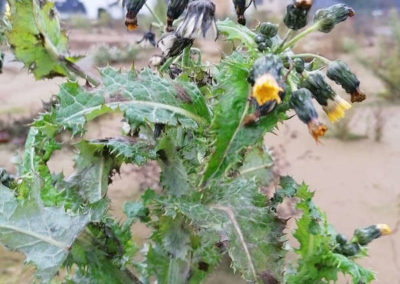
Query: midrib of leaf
[246,108]
[253,169]
[114,105]
[99,188]
[37,236]
[228,211]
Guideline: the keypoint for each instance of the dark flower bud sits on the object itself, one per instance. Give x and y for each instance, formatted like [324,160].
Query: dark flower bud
[265,77]
[132,7]
[268,29]
[299,65]
[174,11]
[350,249]
[199,21]
[368,234]
[296,16]
[301,102]
[333,105]
[329,17]
[259,38]
[339,72]
[263,46]
[341,239]
[240,7]
[171,45]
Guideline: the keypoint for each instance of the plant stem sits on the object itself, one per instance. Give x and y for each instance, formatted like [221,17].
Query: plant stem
[285,39]
[165,66]
[79,72]
[300,36]
[312,55]
[158,20]
[186,57]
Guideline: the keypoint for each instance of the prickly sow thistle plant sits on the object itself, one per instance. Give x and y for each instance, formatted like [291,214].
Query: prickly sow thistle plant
[204,125]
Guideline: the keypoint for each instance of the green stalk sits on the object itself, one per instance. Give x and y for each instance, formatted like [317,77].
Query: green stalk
[312,55]
[158,20]
[304,33]
[165,66]
[186,57]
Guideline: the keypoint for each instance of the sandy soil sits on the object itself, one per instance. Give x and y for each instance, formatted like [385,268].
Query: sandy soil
[355,182]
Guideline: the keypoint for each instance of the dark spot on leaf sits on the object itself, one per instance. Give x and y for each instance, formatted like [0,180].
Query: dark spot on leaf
[182,94]
[204,266]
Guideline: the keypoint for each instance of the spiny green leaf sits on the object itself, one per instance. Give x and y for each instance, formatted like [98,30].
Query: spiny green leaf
[174,177]
[258,163]
[36,37]
[230,110]
[237,211]
[92,172]
[141,97]
[317,261]
[43,234]
[128,150]
[234,31]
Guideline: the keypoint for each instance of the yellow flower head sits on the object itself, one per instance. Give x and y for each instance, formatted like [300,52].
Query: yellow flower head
[336,108]
[317,129]
[384,229]
[265,89]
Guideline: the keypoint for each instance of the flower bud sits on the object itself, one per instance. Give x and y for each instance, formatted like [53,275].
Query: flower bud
[339,72]
[133,7]
[296,15]
[301,102]
[268,29]
[329,17]
[299,65]
[350,249]
[171,45]
[174,11]
[366,235]
[341,239]
[259,38]
[333,105]
[199,21]
[263,46]
[240,7]
[265,77]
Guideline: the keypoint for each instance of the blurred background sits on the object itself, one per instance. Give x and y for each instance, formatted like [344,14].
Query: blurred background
[354,171]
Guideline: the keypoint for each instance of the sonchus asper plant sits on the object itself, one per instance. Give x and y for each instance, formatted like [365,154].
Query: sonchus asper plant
[204,124]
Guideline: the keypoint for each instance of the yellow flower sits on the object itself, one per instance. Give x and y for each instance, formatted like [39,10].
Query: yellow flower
[316,128]
[336,108]
[265,89]
[384,229]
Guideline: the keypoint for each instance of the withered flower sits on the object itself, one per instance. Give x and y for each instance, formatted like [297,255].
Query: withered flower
[339,72]
[132,9]
[199,21]
[329,17]
[172,45]
[296,14]
[240,7]
[174,11]
[149,38]
[333,105]
[301,102]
